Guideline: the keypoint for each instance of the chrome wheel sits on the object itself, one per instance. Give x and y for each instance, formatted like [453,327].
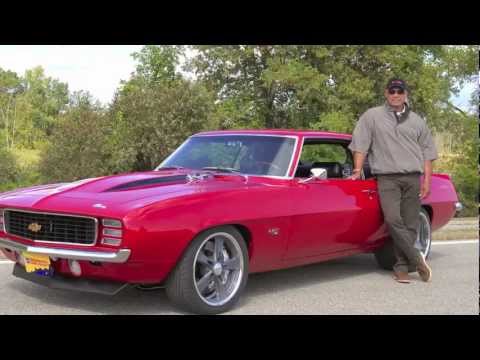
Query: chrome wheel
[424,236]
[218,269]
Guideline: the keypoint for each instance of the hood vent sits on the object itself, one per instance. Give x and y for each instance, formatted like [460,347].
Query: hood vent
[151,181]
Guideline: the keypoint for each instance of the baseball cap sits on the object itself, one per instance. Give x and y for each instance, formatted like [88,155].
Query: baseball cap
[397,83]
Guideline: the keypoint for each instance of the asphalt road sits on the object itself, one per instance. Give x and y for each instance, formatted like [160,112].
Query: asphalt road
[352,285]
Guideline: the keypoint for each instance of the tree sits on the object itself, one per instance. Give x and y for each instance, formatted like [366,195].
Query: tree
[462,163]
[155,110]
[10,88]
[157,64]
[8,169]
[327,87]
[77,146]
[43,100]
[148,123]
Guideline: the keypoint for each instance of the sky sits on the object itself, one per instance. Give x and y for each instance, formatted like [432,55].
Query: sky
[99,68]
[95,68]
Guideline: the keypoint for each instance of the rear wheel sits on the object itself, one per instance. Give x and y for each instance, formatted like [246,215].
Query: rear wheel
[212,274]
[385,255]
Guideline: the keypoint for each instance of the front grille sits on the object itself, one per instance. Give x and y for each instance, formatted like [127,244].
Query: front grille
[51,227]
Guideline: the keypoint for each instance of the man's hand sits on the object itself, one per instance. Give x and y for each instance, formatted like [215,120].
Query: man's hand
[424,190]
[356,174]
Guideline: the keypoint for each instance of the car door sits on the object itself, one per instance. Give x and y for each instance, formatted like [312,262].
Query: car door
[334,214]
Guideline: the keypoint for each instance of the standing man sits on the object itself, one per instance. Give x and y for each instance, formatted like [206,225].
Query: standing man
[400,148]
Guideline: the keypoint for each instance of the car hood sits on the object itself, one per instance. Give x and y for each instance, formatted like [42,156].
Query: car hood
[119,194]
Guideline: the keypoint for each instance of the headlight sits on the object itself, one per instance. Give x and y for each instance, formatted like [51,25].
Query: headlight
[112,223]
[112,233]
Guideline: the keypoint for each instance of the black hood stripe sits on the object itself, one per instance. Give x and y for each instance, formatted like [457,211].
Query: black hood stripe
[150,181]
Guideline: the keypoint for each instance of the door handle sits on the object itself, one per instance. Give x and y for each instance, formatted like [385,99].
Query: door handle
[370,191]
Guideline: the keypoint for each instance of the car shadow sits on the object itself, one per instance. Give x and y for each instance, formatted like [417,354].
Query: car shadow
[136,302]
[129,301]
[132,301]
[308,275]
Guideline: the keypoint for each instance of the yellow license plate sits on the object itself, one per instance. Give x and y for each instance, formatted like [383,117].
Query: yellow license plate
[35,262]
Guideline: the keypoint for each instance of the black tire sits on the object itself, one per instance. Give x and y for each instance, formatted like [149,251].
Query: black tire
[385,256]
[180,286]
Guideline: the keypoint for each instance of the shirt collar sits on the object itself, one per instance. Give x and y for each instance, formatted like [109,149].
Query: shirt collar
[403,110]
[391,109]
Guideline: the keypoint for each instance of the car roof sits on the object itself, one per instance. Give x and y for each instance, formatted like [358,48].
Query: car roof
[279,132]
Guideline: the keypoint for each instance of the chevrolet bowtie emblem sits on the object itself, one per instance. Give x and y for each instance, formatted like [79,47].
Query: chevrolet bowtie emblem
[34,227]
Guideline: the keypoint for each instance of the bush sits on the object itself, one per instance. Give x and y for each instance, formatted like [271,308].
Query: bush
[8,170]
[76,149]
[149,122]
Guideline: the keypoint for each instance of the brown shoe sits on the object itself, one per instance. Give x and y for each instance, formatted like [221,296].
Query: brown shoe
[424,270]
[402,277]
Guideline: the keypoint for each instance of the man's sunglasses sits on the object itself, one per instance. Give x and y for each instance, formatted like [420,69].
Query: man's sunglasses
[396,91]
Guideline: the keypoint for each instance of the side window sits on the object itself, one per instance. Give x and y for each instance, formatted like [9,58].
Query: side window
[323,153]
[332,156]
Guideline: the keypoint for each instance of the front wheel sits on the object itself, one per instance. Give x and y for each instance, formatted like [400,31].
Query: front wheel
[385,255]
[212,274]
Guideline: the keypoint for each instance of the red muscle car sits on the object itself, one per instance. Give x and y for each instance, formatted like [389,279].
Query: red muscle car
[223,205]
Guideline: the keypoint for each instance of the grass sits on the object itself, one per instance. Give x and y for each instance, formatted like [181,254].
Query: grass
[455,234]
[458,228]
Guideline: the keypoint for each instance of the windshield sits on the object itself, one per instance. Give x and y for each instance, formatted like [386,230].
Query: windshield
[249,155]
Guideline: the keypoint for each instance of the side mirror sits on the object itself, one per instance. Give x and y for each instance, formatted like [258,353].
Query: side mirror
[317,173]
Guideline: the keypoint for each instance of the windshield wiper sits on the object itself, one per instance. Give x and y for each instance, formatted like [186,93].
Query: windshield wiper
[171,167]
[221,169]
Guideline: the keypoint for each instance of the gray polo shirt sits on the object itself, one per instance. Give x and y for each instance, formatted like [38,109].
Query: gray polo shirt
[394,143]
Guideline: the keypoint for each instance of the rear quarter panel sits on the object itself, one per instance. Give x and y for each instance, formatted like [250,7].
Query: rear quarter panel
[442,200]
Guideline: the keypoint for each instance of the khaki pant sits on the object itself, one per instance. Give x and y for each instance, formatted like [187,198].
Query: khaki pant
[399,198]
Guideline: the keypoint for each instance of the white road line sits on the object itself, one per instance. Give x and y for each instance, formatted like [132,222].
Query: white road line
[454,242]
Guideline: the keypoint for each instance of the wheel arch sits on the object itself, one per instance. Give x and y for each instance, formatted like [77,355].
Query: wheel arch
[429,211]
[242,229]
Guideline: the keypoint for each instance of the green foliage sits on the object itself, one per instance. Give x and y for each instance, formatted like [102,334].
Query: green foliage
[8,169]
[327,87]
[58,136]
[334,121]
[466,183]
[148,123]
[323,152]
[76,149]
[29,105]
[43,100]
[10,88]
[466,168]
[463,164]
[157,64]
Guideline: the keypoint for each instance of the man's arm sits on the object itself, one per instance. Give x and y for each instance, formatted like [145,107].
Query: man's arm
[360,144]
[427,173]
[358,160]
[429,152]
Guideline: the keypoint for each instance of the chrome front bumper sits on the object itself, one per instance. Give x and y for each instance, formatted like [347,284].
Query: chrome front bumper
[119,256]
[458,207]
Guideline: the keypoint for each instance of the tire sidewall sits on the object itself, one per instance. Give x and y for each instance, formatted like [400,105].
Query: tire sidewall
[181,283]
[385,255]
[425,213]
